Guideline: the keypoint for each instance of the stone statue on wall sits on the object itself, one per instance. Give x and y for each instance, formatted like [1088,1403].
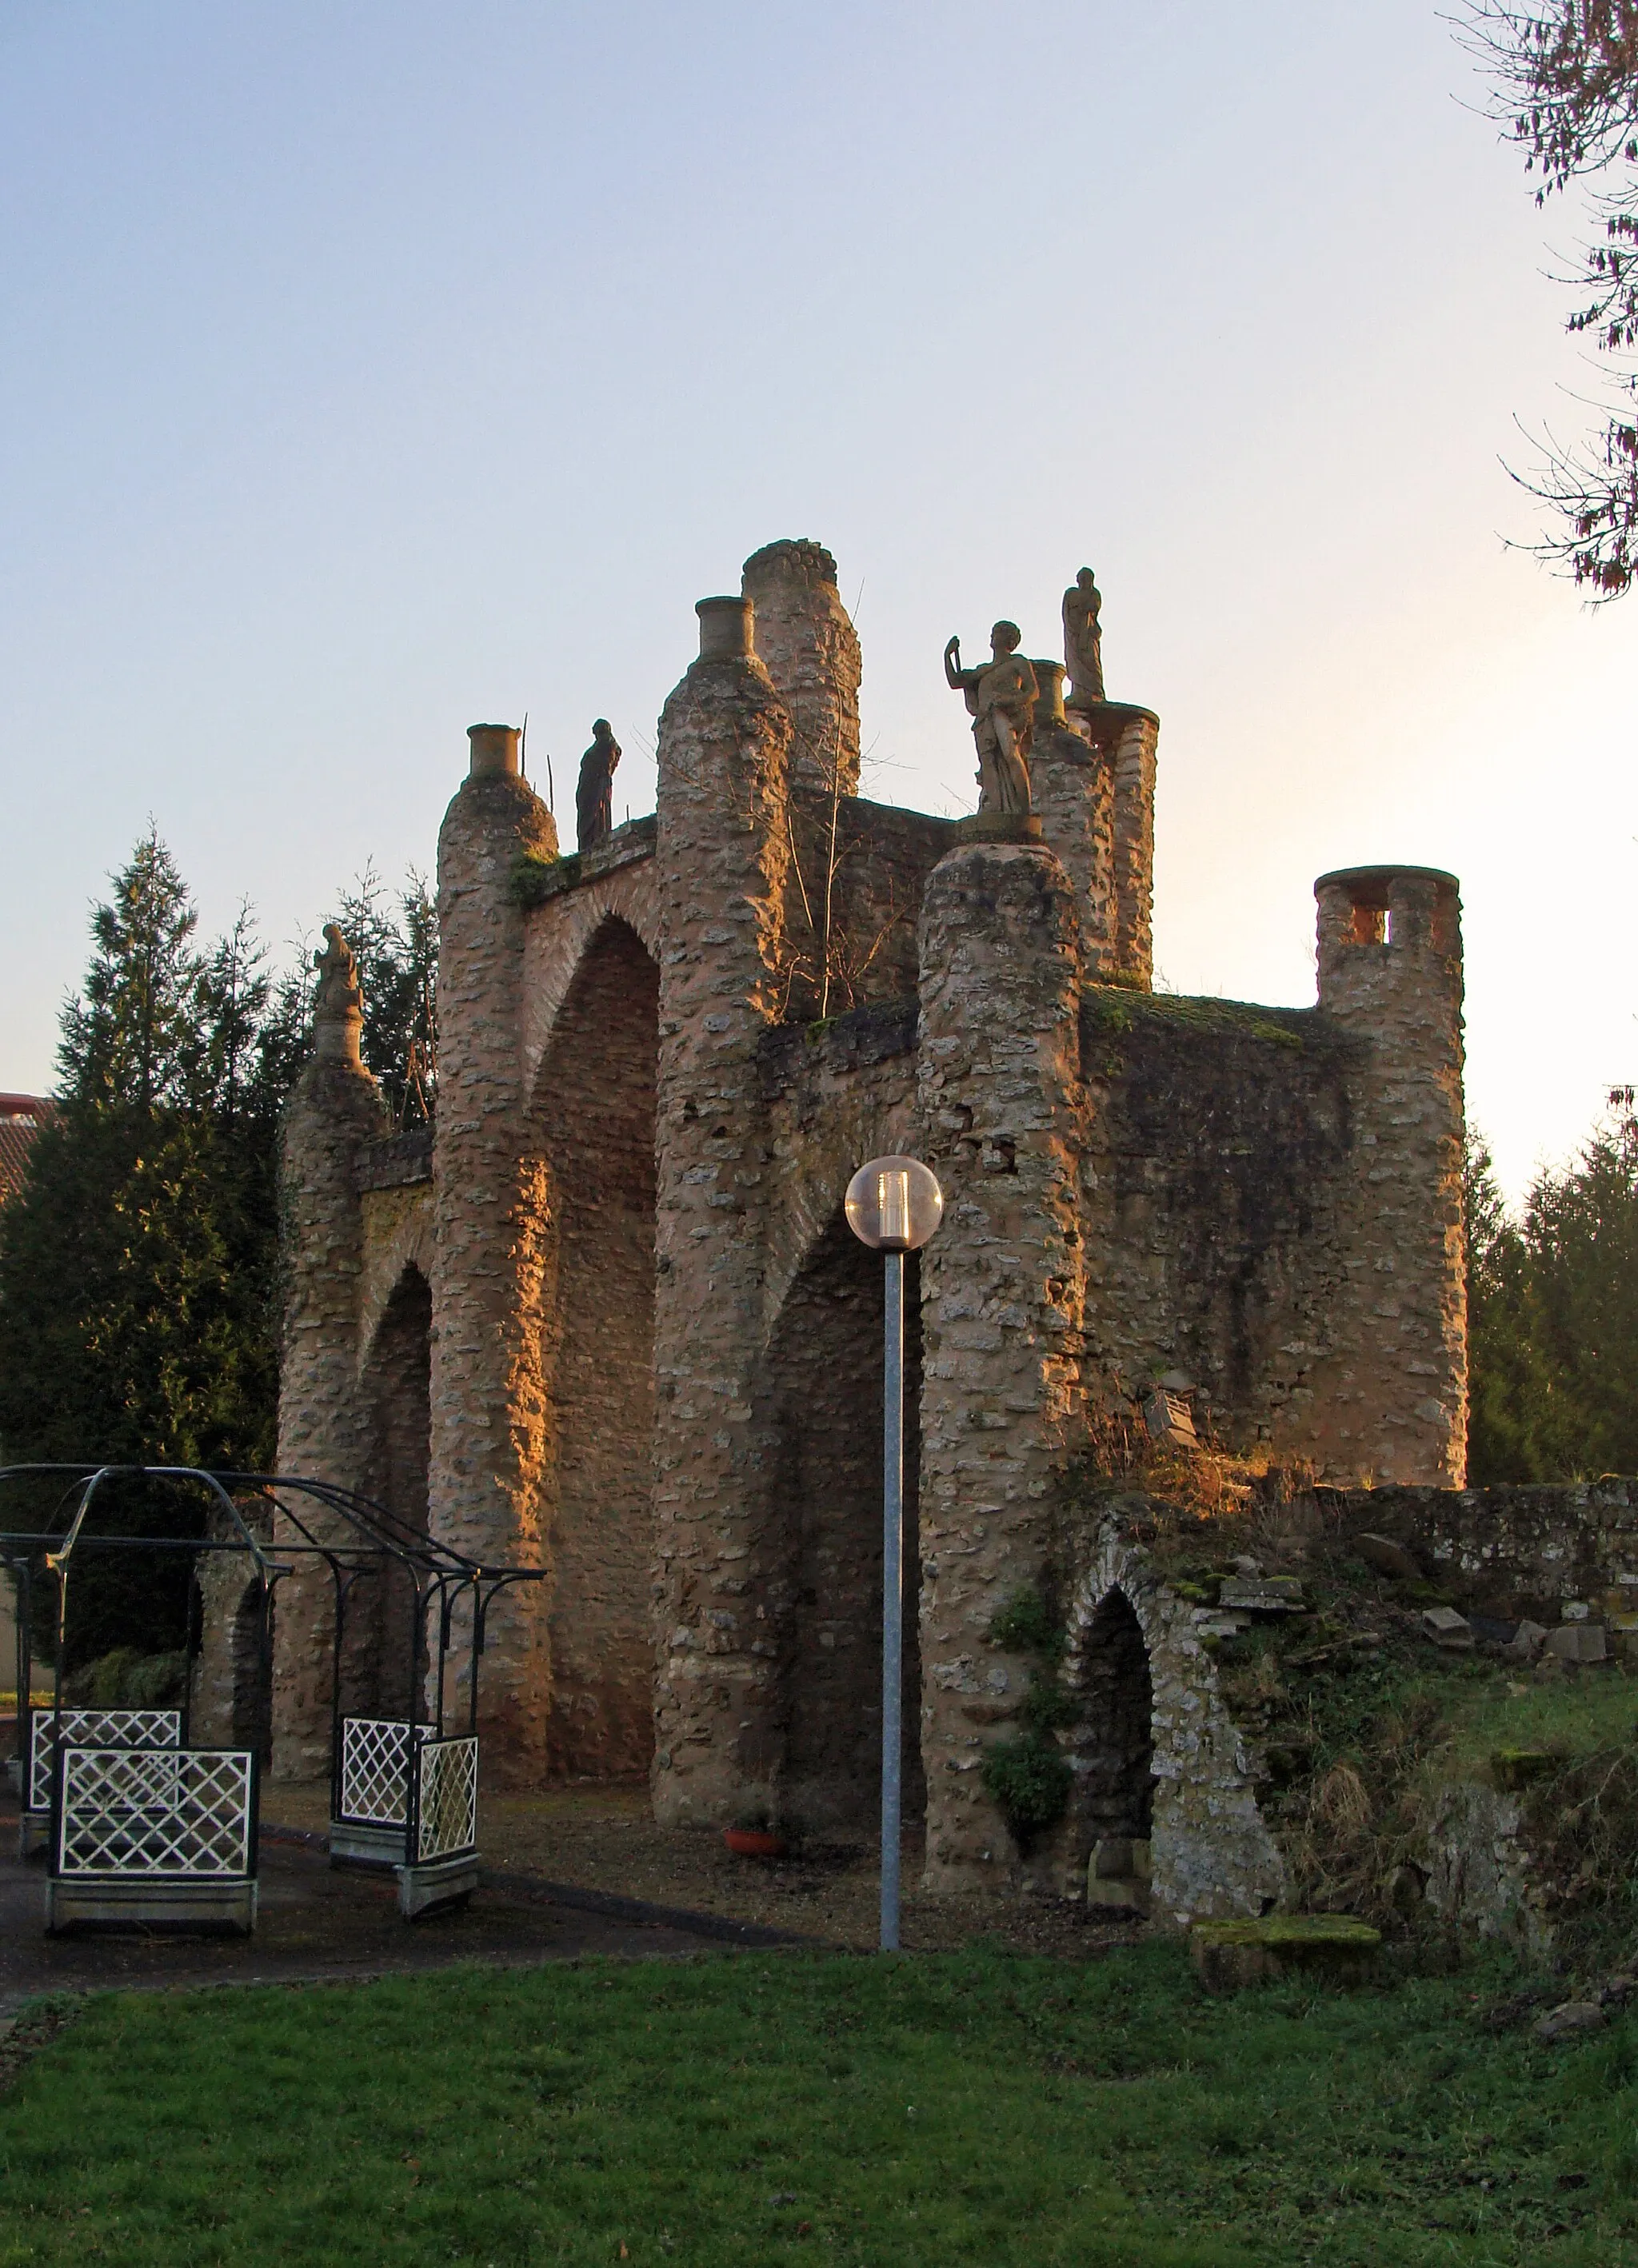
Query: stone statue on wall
[594,797]
[1083,641]
[339,994]
[1000,700]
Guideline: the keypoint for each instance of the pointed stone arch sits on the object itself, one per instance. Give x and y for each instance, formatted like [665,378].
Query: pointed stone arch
[593,1118]
[820,1588]
[560,934]
[1211,1852]
[396,1379]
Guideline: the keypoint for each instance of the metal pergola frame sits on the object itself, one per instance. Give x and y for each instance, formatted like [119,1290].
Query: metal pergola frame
[374,1540]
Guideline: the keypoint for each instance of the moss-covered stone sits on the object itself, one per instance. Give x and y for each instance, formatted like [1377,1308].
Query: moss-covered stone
[1512,1769]
[1333,1947]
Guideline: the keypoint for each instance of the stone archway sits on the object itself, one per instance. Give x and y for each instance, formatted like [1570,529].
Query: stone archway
[595,1118]
[825,1383]
[1112,1805]
[1210,1852]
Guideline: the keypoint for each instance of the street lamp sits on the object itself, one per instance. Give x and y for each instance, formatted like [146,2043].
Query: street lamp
[893,1204]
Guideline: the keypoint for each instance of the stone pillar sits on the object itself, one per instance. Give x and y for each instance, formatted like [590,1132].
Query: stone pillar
[1393,1391]
[724,756]
[322,1429]
[1072,789]
[1003,1287]
[810,650]
[1125,739]
[491,1293]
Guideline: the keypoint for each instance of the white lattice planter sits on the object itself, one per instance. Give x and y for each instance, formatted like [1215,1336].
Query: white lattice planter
[442,1868]
[370,1816]
[122,1728]
[153,1836]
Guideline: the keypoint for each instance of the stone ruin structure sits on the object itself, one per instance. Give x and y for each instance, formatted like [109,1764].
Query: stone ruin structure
[607,1316]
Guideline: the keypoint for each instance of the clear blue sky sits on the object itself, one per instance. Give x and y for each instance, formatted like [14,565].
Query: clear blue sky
[369,369]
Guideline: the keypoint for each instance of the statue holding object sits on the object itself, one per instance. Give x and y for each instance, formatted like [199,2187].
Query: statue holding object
[1000,700]
[593,795]
[1083,643]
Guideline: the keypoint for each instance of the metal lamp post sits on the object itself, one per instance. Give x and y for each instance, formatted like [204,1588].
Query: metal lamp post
[894,1205]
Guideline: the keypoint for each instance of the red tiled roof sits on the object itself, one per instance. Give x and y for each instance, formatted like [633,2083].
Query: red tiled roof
[21,1117]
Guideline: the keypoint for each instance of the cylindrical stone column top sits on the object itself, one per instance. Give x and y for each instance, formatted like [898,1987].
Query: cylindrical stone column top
[494,751]
[1382,930]
[1390,905]
[725,629]
[1049,702]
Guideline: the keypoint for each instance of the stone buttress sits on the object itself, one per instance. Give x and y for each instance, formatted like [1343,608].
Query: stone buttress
[1002,1287]
[323,1425]
[724,757]
[490,1446]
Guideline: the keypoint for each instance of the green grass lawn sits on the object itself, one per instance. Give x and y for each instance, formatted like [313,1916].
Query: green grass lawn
[973,2108]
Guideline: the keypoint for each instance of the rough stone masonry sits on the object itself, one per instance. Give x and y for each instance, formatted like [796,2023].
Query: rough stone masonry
[608,1319]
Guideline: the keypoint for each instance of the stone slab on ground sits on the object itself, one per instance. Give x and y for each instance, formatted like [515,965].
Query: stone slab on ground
[1329,1949]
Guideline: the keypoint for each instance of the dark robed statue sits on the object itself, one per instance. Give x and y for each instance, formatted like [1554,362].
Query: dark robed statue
[1083,641]
[593,798]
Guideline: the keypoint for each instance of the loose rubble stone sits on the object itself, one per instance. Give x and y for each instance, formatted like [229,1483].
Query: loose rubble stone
[1578,1642]
[1569,2017]
[1387,1556]
[1526,1641]
[1265,1594]
[1447,1628]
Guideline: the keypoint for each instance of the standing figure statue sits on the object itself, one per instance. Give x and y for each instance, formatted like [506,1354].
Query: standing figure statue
[594,797]
[1083,641]
[1000,700]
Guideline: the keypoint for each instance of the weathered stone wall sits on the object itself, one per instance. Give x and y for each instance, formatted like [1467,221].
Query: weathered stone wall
[1214,1162]
[877,860]
[1511,1551]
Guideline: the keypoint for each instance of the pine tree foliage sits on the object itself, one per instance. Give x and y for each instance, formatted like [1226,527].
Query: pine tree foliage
[138,1265]
[1553,1317]
[1565,80]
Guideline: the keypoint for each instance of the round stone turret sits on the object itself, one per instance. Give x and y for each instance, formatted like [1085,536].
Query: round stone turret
[811,651]
[488,1424]
[1394,1395]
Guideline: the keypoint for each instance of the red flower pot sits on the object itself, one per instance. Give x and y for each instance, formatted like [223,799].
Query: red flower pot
[754,1842]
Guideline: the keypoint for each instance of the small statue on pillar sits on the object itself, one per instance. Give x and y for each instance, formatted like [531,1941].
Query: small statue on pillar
[1000,700]
[1083,643]
[340,994]
[594,796]
[337,1001]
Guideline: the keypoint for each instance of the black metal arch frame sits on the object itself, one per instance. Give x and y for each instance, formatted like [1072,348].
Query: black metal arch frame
[375,1541]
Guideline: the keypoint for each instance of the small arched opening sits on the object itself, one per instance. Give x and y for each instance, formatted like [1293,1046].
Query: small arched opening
[825,1361]
[397,1392]
[250,1657]
[1112,1803]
